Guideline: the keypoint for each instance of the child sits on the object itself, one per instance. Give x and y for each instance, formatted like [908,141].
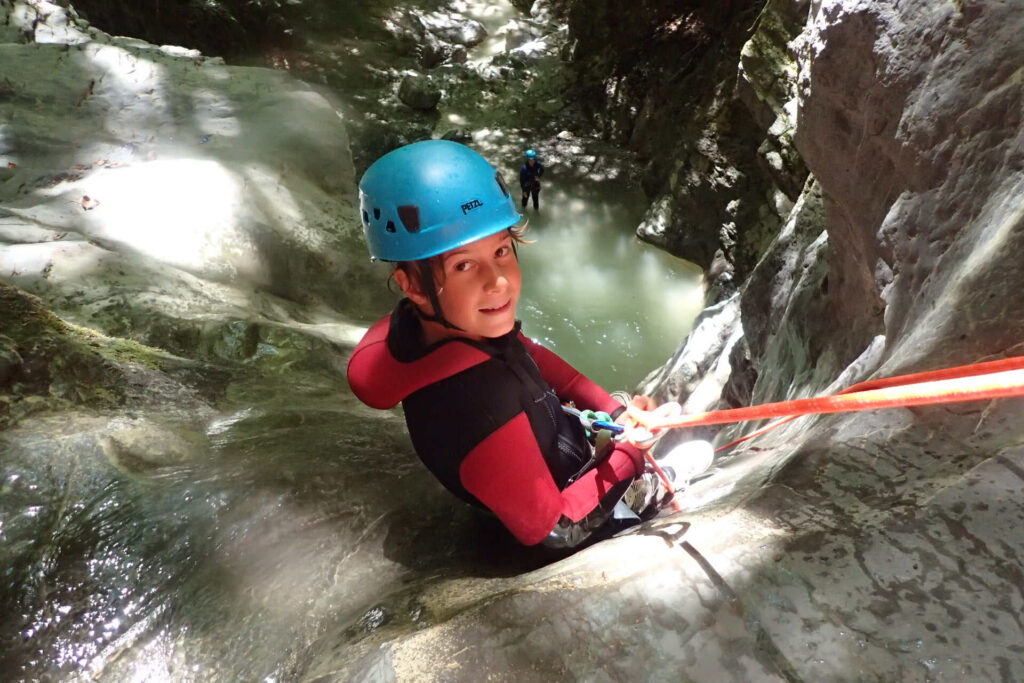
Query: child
[483,403]
[529,179]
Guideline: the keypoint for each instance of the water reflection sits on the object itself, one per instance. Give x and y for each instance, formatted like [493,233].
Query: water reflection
[614,307]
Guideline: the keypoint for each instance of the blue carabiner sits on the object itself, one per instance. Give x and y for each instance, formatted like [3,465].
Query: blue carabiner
[610,426]
[594,420]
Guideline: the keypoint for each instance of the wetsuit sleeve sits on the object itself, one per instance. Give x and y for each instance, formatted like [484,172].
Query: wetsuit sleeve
[569,383]
[507,473]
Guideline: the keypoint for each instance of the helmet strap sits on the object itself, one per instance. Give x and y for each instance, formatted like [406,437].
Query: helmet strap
[426,278]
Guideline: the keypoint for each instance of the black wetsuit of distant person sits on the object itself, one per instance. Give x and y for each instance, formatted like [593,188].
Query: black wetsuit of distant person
[529,179]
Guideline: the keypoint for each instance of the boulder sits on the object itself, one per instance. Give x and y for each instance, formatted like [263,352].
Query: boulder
[457,29]
[458,135]
[419,92]
[516,36]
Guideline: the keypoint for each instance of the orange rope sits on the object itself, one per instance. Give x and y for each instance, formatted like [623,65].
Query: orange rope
[763,430]
[975,382]
[665,481]
[1013,363]
[1002,379]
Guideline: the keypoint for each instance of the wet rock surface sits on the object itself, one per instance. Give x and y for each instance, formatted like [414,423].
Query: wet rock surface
[156,207]
[212,189]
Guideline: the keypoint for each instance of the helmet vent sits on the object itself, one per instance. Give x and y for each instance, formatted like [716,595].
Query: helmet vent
[376,214]
[501,184]
[390,227]
[410,217]
[366,218]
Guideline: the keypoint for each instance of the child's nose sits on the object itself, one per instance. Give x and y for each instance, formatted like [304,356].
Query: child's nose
[495,277]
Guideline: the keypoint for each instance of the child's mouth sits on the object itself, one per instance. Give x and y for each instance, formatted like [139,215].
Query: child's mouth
[500,309]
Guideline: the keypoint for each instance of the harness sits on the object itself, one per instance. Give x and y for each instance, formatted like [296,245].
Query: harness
[489,383]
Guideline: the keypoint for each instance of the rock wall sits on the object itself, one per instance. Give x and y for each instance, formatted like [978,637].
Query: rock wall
[878,246]
[896,529]
[699,91]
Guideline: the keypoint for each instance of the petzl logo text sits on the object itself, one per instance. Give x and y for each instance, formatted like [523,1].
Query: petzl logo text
[469,206]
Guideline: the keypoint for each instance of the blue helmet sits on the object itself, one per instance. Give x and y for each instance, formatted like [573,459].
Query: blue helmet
[531,154]
[429,197]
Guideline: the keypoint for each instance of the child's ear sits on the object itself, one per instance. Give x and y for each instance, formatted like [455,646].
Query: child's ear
[411,289]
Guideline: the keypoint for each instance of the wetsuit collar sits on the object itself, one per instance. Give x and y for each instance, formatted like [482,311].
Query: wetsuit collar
[405,336]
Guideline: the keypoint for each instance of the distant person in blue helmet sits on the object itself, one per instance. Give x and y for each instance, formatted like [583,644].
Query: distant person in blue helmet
[482,401]
[529,179]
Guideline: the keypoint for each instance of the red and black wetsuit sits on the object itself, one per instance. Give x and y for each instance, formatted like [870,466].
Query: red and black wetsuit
[486,418]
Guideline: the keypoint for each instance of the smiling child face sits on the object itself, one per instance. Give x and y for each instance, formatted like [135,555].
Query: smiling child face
[478,287]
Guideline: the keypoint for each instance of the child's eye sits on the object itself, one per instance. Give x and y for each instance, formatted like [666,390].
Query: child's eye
[462,266]
[503,251]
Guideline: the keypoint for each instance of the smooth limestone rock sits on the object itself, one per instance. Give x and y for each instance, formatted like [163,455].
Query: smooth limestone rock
[150,194]
[50,365]
[131,168]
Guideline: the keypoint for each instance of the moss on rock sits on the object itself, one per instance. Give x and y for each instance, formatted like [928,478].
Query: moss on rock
[48,364]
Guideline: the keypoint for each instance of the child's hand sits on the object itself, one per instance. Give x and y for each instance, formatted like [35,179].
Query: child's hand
[642,402]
